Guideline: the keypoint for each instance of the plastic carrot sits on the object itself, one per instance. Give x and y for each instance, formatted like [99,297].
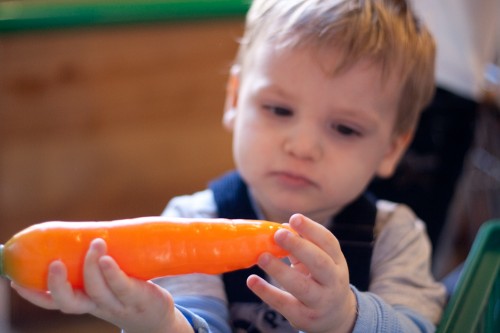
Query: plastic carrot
[144,248]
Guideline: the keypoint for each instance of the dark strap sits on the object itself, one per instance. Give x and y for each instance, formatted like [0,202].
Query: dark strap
[231,197]
[353,227]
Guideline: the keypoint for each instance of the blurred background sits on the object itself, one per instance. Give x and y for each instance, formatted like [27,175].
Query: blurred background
[107,110]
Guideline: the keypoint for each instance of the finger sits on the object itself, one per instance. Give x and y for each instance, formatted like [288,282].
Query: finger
[324,240]
[319,235]
[309,259]
[301,286]
[63,295]
[296,264]
[129,291]
[118,282]
[276,298]
[38,298]
[96,286]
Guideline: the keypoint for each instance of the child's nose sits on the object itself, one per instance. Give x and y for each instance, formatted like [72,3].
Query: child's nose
[303,142]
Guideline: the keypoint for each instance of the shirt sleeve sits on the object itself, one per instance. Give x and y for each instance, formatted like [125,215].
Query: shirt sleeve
[201,299]
[376,315]
[400,268]
[205,314]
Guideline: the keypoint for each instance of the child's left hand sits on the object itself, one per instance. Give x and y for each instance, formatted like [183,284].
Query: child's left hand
[131,304]
[316,296]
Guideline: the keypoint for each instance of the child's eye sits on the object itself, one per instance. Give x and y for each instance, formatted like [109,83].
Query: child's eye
[345,130]
[278,110]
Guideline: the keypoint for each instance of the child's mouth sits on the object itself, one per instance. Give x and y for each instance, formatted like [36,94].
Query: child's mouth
[292,180]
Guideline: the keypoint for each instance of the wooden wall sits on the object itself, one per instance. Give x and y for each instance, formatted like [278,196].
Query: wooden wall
[108,123]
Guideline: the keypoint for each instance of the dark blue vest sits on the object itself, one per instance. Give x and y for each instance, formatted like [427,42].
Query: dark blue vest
[353,227]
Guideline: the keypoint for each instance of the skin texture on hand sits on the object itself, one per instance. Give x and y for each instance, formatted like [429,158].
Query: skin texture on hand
[131,304]
[315,295]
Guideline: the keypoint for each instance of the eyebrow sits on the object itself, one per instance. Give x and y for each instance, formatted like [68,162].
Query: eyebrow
[365,115]
[269,87]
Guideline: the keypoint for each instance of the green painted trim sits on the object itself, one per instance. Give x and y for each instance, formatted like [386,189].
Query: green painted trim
[52,14]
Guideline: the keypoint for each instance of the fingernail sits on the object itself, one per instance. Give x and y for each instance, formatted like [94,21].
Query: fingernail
[296,220]
[97,245]
[104,263]
[54,267]
[281,234]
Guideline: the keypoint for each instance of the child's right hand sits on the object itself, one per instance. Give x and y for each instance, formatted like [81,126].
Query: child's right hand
[315,295]
[131,304]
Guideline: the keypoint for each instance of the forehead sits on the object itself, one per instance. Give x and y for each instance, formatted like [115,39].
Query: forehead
[328,63]
[301,72]
[334,56]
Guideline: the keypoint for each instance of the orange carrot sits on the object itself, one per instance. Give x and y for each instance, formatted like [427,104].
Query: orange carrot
[144,248]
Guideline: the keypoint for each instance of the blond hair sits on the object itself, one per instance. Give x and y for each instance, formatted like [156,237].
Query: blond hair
[385,31]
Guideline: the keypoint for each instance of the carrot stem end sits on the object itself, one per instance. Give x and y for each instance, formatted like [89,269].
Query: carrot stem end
[1,260]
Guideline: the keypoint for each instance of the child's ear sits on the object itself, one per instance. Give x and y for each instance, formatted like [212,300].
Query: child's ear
[230,106]
[390,161]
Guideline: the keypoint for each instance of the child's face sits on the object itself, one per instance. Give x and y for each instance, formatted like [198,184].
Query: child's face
[309,142]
